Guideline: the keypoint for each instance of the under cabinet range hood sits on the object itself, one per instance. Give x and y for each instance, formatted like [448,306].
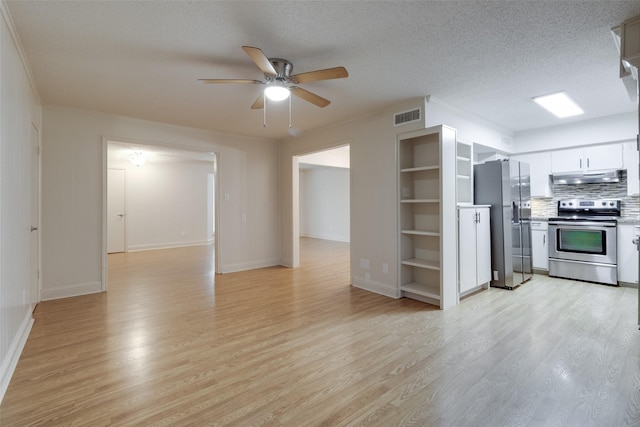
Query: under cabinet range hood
[587,178]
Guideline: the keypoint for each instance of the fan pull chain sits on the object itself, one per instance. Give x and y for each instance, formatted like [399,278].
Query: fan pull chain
[264,110]
[289,111]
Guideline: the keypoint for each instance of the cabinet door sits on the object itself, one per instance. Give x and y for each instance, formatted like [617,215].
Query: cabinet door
[467,249]
[627,254]
[630,157]
[603,157]
[483,239]
[567,161]
[540,169]
[464,172]
[540,250]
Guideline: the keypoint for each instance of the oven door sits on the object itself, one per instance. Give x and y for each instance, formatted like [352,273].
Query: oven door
[583,241]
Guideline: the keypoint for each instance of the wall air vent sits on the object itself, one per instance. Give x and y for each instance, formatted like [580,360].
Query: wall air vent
[506,141]
[406,117]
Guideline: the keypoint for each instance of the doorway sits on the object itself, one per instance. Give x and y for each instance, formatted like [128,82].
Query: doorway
[116,185]
[324,200]
[157,197]
[34,268]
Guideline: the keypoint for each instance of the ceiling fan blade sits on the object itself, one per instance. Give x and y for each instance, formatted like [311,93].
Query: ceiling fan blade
[259,103]
[310,96]
[230,81]
[260,59]
[314,76]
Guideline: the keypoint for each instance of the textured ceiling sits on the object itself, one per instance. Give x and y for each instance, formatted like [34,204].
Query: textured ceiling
[142,58]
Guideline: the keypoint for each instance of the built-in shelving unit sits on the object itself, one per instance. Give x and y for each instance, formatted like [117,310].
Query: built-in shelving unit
[464,172]
[427,215]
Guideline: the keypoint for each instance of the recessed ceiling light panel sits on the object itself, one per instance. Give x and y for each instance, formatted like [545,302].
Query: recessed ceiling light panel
[559,104]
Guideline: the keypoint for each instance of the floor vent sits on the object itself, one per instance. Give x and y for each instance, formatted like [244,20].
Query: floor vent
[406,117]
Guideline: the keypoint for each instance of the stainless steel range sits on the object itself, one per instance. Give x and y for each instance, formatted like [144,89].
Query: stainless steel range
[583,240]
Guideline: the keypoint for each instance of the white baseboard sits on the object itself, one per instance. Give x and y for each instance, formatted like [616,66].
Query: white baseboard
[71,291]
[13,355]
[242,266]
[171,245]
[332,237]
[378,288]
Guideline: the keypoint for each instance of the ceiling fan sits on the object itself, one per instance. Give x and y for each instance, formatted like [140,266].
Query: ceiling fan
[279,82]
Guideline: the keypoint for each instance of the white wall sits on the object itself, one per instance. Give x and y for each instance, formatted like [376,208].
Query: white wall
[337,158]
[469,128]
[374,212]
[373,219]
[620,128]
[324,203]
[166,203]
[72,198]
[19,110]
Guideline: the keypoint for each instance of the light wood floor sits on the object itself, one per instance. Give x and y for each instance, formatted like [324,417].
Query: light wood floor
[172,344]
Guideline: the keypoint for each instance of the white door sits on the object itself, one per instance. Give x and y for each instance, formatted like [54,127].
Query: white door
[115,210]
[35,208]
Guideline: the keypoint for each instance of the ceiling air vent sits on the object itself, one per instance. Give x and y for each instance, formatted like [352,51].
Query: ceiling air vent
[406,117]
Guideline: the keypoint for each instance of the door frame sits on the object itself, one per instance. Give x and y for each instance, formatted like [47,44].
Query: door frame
[105,164]
[295,197]
[35,299]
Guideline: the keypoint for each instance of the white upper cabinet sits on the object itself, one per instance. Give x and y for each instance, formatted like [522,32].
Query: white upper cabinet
[630,44]
[464,172]
[631,161]
[587,159]
[540,169]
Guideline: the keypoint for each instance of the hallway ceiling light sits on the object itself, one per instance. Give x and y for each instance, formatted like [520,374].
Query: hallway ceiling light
[138,158]
[559,104]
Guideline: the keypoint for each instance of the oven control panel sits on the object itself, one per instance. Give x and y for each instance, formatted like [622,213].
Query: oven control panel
[589,208]
[590,204]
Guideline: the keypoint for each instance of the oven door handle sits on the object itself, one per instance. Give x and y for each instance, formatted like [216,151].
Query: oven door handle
[584,223]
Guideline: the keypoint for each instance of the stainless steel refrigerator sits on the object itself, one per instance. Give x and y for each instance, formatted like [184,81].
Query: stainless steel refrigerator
[505,185]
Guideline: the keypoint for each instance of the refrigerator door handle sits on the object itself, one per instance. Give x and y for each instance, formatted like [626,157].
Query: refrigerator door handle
[516,216]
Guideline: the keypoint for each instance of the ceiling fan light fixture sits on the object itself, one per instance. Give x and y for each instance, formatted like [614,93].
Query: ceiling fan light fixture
[277,92]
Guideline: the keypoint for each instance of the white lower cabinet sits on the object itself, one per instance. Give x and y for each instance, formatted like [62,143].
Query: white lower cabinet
[540,245]
[627,253]
[474,248]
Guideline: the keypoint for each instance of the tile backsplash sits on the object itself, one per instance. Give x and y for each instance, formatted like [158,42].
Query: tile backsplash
[544,207]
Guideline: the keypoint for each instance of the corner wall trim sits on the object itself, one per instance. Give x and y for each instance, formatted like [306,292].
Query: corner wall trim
[71,291]
[378,288]
[15,350]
